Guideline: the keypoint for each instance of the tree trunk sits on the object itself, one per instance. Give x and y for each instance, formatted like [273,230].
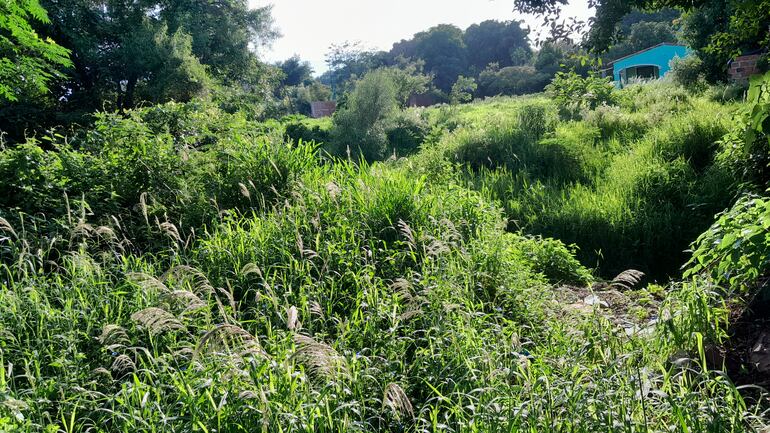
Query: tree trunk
[128,98]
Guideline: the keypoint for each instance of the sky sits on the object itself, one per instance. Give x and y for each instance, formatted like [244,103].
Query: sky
[309,27]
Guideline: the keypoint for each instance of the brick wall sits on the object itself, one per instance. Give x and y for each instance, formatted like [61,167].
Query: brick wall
[743,67]
[322,108]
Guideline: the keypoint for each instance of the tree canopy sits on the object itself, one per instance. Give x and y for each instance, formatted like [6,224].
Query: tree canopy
[295,71]
[504,43]
[124,53]
[28,62]
[730,25]
[443,50]
[123,50]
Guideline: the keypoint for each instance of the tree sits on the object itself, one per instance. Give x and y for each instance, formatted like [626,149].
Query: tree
[296,71]
[513,80]
[28,62]
[347,61]
[504,43]
[122,48]
[129,52]
[297,99]
[549,59]
[361,126]
[408,79]
[462,90]
[224,32]
[642,35]
[702,25]
[724,27]
[442,49]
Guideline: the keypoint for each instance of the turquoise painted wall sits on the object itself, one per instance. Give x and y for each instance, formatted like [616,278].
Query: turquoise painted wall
[659,56]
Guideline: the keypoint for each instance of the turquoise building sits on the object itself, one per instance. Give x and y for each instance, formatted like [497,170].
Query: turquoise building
[649,64]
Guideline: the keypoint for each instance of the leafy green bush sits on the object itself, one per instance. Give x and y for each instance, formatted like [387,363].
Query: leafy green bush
[536,118]
[688,72]
[554,260]
[512,80]
[735,250]
[615,123]
[463,90]
[747,148]
[158,165]
[361,125]
[574,94]
[297,130]
[730,92]
[406,131]
[493,147]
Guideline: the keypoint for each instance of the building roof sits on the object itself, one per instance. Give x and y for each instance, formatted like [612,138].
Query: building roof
[645,50]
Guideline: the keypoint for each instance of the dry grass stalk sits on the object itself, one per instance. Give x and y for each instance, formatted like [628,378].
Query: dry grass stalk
[199,282]
[123,364]
[406,231]
[171,231]
[82,229]
[113,334]
[157,320]
[147,282]
[315,308]
[395,399]
[250,268]
[143,206]
[244,190]
[333,189]
[229,339]
[105,232]
[320,359]
[186,299]
[6,227]
[292,321]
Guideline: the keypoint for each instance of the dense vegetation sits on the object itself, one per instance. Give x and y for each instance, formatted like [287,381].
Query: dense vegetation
[196,255]
[182,268]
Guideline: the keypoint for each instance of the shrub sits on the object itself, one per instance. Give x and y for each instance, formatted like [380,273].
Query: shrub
[735,250]
[496,146]
[569,154]
[361,125]
[512,80]
[554,260]
[574,94]
[297,130]
[731,92]
[657,100]
[536,118]
[688,72]
[615,123]
[174,163]
[406,131]
[462,90]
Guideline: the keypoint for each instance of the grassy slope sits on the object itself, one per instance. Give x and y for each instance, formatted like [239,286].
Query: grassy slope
[631,185]
[343,299]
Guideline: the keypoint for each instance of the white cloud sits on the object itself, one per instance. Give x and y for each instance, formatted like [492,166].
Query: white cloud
[309,27]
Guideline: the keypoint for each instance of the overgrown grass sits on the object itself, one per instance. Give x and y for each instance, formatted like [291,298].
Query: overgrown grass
[342,297]
[632,185]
